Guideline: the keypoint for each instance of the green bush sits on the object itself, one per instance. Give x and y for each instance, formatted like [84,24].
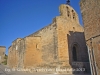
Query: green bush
[5,60]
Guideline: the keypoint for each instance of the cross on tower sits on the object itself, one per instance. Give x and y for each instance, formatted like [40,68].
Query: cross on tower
[68,2]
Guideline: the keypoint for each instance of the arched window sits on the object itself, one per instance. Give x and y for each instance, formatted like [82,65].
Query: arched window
[73,13]
[68,13]
[74,52]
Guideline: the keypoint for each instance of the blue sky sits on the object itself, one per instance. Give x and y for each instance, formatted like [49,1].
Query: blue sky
[19,18]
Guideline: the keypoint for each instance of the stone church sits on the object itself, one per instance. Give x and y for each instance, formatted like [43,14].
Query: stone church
[58,45]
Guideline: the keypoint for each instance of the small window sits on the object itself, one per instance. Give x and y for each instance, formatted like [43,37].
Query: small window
[68,12]
[16,47]
[73,13]
[73,28]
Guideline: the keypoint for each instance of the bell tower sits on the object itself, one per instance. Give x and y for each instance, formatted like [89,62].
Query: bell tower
[68,12]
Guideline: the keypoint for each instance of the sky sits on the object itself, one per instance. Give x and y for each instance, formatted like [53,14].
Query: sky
[19,18]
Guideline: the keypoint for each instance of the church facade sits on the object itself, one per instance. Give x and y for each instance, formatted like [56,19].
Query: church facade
[58,45]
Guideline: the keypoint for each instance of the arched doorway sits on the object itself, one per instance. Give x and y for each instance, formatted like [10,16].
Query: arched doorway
[74,52]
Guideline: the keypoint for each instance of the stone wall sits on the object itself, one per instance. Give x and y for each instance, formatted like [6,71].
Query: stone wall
[14,53]
[38,49]
[41,47]
[2,53]
[90,10]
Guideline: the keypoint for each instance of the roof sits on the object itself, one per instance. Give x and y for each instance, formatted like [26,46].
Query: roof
[3,46]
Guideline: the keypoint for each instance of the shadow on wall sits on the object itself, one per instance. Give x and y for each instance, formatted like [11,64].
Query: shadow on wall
[78,53]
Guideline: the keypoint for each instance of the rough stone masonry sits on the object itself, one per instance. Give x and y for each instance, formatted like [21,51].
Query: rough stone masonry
[2,53]
[90,10]
[60,44]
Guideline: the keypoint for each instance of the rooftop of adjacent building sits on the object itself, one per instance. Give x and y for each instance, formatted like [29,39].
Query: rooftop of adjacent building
[2,46]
